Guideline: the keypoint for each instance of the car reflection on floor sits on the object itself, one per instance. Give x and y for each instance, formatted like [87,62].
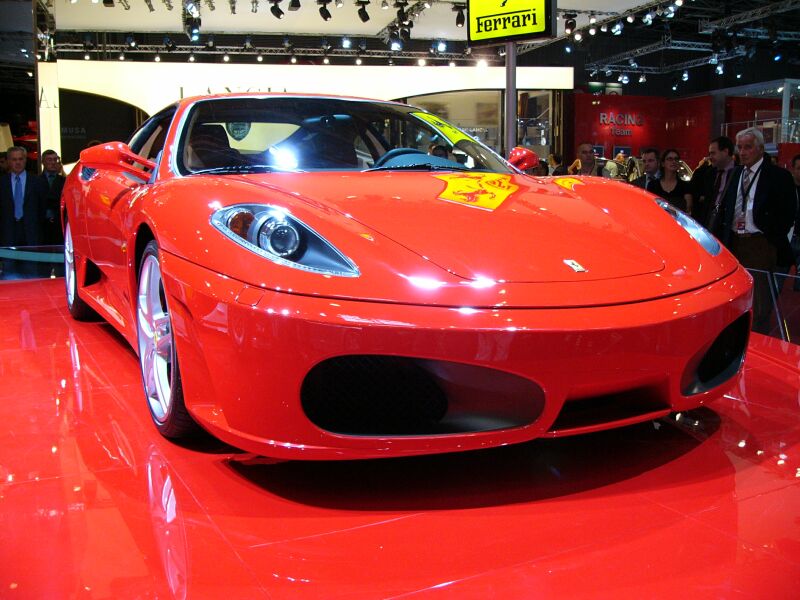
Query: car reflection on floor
[95,504]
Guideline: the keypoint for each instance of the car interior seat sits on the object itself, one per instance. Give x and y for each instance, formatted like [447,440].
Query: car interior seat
[209,147]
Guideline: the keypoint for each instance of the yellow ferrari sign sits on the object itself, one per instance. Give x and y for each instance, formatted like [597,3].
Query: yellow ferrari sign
[493,21]
[481,190]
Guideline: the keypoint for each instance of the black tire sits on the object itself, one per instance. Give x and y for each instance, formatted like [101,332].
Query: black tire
[79,310]
[161,376]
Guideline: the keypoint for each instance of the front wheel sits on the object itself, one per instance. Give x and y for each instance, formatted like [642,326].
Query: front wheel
[161,376]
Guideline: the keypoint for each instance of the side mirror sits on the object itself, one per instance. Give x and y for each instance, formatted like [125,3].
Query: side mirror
[523,158]
[117,156]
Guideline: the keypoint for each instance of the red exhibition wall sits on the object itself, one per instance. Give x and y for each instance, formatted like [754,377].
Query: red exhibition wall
[636,122]
[740,109]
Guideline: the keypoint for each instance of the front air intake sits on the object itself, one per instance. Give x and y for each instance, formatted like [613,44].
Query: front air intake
[720,361]
[400,396]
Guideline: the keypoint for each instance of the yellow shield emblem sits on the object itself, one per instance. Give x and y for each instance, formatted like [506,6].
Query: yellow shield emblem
[481,190]
[568,183]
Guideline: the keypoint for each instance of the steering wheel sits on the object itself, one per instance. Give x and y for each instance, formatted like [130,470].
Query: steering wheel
[394,153]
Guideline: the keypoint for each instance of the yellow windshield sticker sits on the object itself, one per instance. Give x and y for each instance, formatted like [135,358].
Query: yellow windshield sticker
[486,191]
[452,134]
[568,183]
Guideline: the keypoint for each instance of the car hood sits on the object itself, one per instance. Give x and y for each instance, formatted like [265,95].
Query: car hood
[447,240]
[489,225]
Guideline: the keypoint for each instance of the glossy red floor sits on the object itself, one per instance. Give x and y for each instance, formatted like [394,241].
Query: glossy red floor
[94,504]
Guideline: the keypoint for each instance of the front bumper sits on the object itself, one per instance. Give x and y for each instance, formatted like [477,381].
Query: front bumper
[245,353]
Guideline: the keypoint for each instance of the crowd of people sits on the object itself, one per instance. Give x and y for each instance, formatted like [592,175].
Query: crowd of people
[29,203]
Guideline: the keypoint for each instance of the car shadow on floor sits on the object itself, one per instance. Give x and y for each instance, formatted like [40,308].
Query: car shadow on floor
[543,469]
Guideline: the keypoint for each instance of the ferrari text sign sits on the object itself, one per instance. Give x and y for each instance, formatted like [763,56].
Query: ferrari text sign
[494,21]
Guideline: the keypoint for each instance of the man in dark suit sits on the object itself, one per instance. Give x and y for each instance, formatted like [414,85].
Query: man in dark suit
[22,202]
[759,210]
[54,180]
[711,182]
[651,169]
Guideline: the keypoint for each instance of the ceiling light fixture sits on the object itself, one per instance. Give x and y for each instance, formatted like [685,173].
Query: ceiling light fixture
[275,9]
[323,9]
[362,10]
[459,10]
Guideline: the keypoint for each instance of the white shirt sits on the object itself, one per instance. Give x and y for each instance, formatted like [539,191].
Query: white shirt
[749,223]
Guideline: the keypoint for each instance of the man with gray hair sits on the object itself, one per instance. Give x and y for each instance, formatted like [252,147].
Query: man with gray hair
[23,198]
[760,208]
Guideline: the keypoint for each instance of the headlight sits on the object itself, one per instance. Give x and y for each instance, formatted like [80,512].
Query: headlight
[692,227]
[273,233]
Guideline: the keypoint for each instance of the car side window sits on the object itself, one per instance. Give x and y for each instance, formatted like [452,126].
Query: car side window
[148,141]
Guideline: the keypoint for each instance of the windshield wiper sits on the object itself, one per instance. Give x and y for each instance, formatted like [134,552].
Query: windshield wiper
[420,167]
[245,169]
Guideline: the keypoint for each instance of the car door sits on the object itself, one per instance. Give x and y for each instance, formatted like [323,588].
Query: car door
[111,194]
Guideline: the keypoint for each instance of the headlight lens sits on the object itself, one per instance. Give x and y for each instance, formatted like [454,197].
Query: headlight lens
[273,233]
[693,228]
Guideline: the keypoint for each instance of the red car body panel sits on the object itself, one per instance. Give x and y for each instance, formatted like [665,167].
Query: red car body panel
[441,278]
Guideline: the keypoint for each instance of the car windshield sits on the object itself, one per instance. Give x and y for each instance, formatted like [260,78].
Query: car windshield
[242,135]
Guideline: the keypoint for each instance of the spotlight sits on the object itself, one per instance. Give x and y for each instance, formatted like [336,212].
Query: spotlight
[568,49]
[441,46]
[169,44]
[275,9]
[452,63]
[569,24]
[131,41]
[630,18]
[617,28]
[459,10]
[482,63]
[685,76]
[260,57]
[642,78]
[86,56]
[720,69]
[670,12]
[608,72]
[210,42]
[192,27]
[713,59]
[226,58]
[346,43]
[293,59]
[592,19]
[777,55]
[624,78]
[675,86]
[578,36]
[678,2]
[384,5]
[358,60]
[632,62]
[122,56]
[157,57]
[362,11]
[192,7]
[593,74]
[326,60]
[592,30]
[648,18]
[422,62]
[323,9]
[395,45]
[604,27]
[294,4]
[339,3]
[191,57]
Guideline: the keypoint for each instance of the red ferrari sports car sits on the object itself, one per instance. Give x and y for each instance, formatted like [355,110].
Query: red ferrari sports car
[303,280]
